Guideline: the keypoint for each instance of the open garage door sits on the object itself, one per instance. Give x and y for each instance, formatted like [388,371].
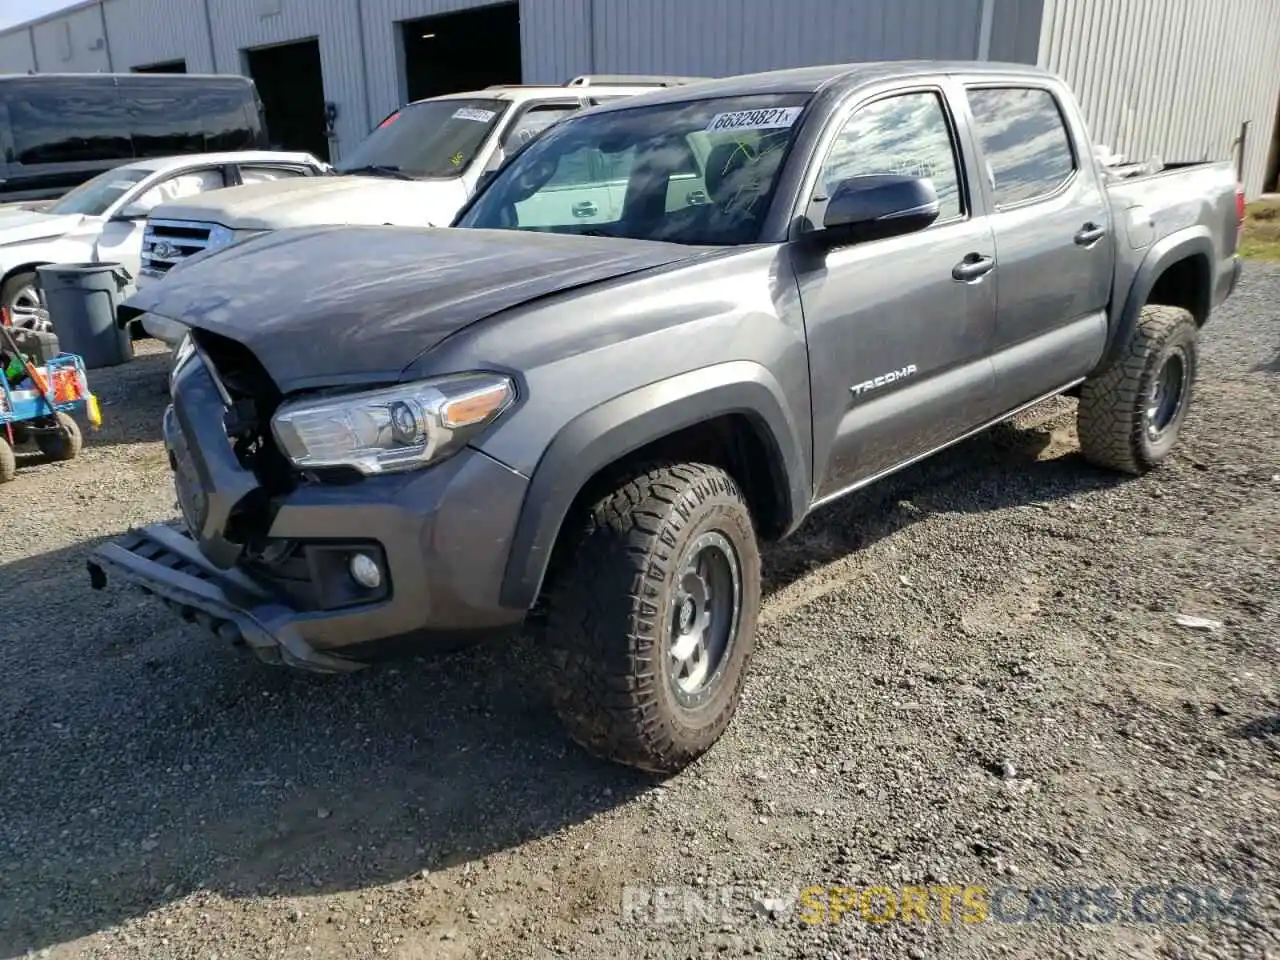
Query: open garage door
[467,50]
[291,86]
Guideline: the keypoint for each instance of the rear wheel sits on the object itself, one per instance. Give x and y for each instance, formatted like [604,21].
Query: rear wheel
[61,446]
[8,462]
[1131,414]
[651,624]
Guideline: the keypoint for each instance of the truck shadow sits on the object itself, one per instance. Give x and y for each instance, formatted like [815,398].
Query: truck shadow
[147,763]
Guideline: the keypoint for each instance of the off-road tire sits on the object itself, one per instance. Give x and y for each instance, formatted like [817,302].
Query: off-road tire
[1111,418]
[609,618]
[66,446]
[8,462]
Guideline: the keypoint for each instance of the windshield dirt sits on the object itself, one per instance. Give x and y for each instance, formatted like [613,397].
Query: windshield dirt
[699,172]
[436,138]
[93,197]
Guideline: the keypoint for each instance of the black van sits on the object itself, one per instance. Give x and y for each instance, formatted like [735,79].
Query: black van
[58,130]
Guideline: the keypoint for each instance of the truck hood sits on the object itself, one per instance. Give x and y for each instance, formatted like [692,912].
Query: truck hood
[331,306]
[322,201]
[22,226]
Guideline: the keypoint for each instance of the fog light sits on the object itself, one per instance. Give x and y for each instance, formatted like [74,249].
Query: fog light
[364,571]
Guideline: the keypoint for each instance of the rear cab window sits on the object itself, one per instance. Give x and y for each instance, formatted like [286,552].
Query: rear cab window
[1025,141]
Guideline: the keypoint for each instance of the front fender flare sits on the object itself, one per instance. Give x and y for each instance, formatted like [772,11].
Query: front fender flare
[610,431]
[1191,242]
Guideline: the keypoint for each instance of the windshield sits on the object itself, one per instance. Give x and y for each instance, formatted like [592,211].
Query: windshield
[435,138]
[93,197]
[700,172]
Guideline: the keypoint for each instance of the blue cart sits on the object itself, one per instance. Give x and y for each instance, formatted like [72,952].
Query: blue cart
[40,405]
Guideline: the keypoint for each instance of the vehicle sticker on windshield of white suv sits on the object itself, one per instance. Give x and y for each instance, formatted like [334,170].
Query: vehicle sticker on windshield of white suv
[773,118]
[473,113]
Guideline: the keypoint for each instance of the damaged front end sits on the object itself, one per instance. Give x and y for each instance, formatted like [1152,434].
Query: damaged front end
[220,568]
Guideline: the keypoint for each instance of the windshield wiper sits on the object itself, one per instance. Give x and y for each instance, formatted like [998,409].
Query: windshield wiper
[382,170]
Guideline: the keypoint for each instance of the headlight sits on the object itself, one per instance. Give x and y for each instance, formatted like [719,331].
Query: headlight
[398,428]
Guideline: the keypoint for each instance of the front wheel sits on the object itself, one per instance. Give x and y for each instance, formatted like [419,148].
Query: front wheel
[652,621]
[20,296]
[1130,415]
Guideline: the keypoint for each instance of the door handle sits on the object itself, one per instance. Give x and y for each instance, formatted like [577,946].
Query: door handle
[585,209]
[973,267]
[1089,234]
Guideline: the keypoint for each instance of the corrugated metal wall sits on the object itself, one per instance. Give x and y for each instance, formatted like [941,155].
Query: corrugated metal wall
[143,32]
[73,43]
[15,52]
[1171,78]
[721,37]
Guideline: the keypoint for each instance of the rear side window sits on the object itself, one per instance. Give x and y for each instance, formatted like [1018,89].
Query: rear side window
[267,174]
[57,121]
[1025,141]
[163,123]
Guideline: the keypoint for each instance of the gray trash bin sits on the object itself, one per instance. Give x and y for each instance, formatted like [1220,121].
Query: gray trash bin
[82,299]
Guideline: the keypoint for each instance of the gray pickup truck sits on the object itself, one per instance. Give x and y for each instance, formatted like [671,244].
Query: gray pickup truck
[388,438]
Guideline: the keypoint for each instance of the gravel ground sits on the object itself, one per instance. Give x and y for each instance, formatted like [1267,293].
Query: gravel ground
[972,676]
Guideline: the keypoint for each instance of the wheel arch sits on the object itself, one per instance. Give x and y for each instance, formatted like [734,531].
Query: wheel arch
[733,415]
[1177,272]
[23,268]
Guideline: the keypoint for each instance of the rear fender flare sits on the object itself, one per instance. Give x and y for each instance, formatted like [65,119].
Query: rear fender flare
[1193,241]
[607,433]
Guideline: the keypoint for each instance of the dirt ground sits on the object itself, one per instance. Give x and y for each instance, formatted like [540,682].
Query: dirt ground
[973,676]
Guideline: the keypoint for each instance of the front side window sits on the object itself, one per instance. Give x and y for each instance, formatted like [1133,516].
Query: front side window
[698,172]
[1025,141]
[431,139]
[189,183]
[93,197]
[904,134]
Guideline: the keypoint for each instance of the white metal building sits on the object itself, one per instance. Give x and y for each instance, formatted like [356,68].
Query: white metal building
[1172,78]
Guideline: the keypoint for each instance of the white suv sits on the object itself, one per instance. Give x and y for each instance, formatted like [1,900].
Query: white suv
[418,167]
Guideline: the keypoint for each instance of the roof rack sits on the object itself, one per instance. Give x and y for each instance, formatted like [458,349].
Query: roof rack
[629,80]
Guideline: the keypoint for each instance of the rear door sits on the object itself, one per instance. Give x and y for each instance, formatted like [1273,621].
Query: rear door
[1053,239]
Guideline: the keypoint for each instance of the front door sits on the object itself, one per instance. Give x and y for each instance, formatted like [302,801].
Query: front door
[121,239]
[898,345]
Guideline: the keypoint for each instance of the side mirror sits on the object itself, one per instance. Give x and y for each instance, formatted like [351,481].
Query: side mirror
[880,206]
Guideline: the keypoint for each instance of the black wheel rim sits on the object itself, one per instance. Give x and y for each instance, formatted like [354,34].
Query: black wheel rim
[703,618]
[1168,393]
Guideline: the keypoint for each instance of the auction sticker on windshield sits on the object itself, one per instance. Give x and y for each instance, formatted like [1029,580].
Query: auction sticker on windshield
[473,113]
[773,118]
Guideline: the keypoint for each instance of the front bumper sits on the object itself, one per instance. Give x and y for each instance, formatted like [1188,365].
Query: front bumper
[165,562]
[441,537]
